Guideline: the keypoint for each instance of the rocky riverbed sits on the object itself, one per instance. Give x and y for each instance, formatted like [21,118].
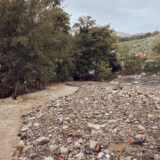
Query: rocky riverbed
[106,121]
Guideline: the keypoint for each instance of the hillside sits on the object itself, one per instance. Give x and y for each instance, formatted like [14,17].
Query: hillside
[122,34]
[144,46]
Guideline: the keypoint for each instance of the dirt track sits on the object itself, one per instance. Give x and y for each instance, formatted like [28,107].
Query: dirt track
[11,112]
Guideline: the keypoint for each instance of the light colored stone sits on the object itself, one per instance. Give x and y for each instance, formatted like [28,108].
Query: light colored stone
[154,127]
[103,125]
[127,120]
[136,82]
[106,151]
[130,116]
[150,116]
[80,156]
[64,150]
[112,121]
[65,127]
[107,156]
[21,143]
[157,157]
[94,126]
[141,127]
[114,92]
[53,147]
[93,144]
[36,124]
[100,155]
[115,131]
[77,145]
[112,82]
[128,158]
[42,140]
[80,141]
[24,129]
[140,138]
[33,155]
[57,104]
[27,148]
[122,158]
[48,158]
[32,118]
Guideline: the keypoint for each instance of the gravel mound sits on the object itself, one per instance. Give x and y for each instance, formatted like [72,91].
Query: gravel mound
[105,121]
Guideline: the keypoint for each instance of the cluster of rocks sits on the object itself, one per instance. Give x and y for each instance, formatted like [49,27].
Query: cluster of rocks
[142,79]
[100,121]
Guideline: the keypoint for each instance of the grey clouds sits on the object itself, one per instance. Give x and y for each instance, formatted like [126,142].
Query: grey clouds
[129,16]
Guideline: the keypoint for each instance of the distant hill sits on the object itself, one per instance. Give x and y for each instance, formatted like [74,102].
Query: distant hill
[144,46]
[121,34]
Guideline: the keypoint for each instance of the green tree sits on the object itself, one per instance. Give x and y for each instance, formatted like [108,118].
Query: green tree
[33,40]
[94,50]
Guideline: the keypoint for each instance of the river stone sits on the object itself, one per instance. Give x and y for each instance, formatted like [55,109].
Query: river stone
[94,126]
[141,127]
[131,116]
[64,150]
[27,148]
[95,146]
[80,155]
[21,143]
[140,138]
[77,145]
[53,147]
[42,140]
[24,129]
[48,158]
[115,131]
[100,155]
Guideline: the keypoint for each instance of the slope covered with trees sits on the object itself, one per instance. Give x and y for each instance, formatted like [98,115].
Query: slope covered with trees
[37,49]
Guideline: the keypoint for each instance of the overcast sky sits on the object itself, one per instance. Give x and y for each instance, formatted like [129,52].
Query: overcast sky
[129,16]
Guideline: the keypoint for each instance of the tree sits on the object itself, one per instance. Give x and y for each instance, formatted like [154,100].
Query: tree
[94,50]
[32,34]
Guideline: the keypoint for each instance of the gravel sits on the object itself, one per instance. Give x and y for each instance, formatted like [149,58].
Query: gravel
[108,121]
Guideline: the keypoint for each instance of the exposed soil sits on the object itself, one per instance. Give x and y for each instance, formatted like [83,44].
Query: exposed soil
[12,110]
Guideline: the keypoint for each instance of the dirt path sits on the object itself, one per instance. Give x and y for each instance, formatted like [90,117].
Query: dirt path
[11,112]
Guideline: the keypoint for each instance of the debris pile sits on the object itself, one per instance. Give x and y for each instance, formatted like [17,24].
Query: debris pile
[100,121]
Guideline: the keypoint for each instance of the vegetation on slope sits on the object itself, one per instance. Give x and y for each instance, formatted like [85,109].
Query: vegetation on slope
[140,55]
[37,49]
[137,36]
[144,45]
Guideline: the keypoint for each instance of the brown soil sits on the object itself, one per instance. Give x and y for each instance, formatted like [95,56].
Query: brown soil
[12,110]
